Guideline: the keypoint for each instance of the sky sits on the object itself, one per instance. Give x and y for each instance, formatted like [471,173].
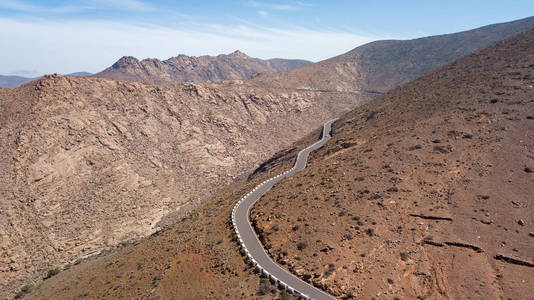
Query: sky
[54,36]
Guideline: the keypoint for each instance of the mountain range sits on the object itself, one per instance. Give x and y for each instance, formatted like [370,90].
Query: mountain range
[91,163]
[182,68]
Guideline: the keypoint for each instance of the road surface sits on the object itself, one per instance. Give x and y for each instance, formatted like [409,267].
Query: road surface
[250,242]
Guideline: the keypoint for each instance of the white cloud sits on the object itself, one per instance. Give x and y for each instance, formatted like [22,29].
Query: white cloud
[287,7]
[15,5]
[263,13]
[124,5]
[71,46]
[22,6]
[283,7]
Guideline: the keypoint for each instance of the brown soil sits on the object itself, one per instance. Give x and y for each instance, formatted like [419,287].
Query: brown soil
[425,192]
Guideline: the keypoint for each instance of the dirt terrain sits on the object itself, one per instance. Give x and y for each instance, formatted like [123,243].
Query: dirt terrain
[425,192]
[183,68]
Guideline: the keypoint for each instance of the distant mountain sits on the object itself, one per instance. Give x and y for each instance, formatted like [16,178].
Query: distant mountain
[182,68]
[80,74]
[382,65]
[8,81]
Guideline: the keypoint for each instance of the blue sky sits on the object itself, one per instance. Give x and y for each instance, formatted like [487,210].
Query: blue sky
[88,35]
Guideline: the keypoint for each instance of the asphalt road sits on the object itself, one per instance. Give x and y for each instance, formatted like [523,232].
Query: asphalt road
[250,242]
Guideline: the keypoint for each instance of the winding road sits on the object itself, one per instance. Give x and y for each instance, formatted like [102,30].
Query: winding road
[250,242]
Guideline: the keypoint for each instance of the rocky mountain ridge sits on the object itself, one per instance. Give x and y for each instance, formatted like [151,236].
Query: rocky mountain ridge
[183,68]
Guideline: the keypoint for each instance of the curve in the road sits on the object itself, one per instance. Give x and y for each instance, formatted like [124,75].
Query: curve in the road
[250,242]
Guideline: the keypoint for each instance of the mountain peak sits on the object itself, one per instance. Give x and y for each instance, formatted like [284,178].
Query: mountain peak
[238,54]
[125,61]
[183,68]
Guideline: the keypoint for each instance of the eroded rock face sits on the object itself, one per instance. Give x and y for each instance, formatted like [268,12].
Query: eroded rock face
[88,163]
[183,68]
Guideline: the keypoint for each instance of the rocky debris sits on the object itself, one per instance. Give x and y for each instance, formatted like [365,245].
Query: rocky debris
[465,245]
[433,243]
[514,261]
[428,217]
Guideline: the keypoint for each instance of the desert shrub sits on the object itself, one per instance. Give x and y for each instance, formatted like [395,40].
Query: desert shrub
[24,290]
[52,273]
[330,270]
[265,287]
[284,295]
[302,245]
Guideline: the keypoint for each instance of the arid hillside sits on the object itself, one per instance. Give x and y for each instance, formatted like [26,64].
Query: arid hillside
[89,162]
[382,65]
[425,192]
[183,68]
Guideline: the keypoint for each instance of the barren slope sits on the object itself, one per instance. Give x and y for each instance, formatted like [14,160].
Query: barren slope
[182,68]
[89,162]
[382,65]
[424,192]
